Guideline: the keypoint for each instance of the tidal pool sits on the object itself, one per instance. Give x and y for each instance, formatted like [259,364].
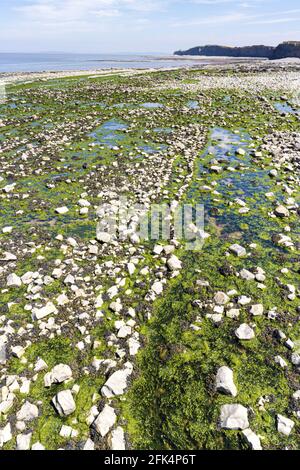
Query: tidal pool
[108,134]
[285,108]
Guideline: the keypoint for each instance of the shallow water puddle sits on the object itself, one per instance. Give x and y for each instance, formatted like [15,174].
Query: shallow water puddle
[163,130]
[108,133]
[152,105]
[193,104]
[285,108]
[239,179]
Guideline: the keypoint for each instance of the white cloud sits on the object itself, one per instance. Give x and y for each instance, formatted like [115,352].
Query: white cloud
[77,9]
[230,18]
[275,20]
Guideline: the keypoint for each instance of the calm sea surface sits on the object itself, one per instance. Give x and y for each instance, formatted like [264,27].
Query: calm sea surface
[15,62]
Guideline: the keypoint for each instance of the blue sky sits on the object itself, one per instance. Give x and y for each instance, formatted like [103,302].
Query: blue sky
[143,25]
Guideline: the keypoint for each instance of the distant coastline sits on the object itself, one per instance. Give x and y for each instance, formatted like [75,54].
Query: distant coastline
[288,49]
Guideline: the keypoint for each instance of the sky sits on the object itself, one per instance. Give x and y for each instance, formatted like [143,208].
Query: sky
[111,26]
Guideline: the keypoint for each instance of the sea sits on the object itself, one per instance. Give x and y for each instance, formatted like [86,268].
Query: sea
[44,62]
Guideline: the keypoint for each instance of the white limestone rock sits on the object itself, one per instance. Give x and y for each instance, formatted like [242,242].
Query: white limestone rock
[257,310]
[224,381]
[284,425]
[39,313]
[64,403]
[221,298]
[5,435]
[23,441]
[38,446]
[252,439]
[174,264]
[118,439]
[244,332]
[28,412]
[89,445]
[234,416]
[117,382]
[105,420]
[13,280]
[62,210]
[58,375]
[238,250]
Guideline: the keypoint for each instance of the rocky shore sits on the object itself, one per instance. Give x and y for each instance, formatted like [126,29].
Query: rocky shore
[111,341]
